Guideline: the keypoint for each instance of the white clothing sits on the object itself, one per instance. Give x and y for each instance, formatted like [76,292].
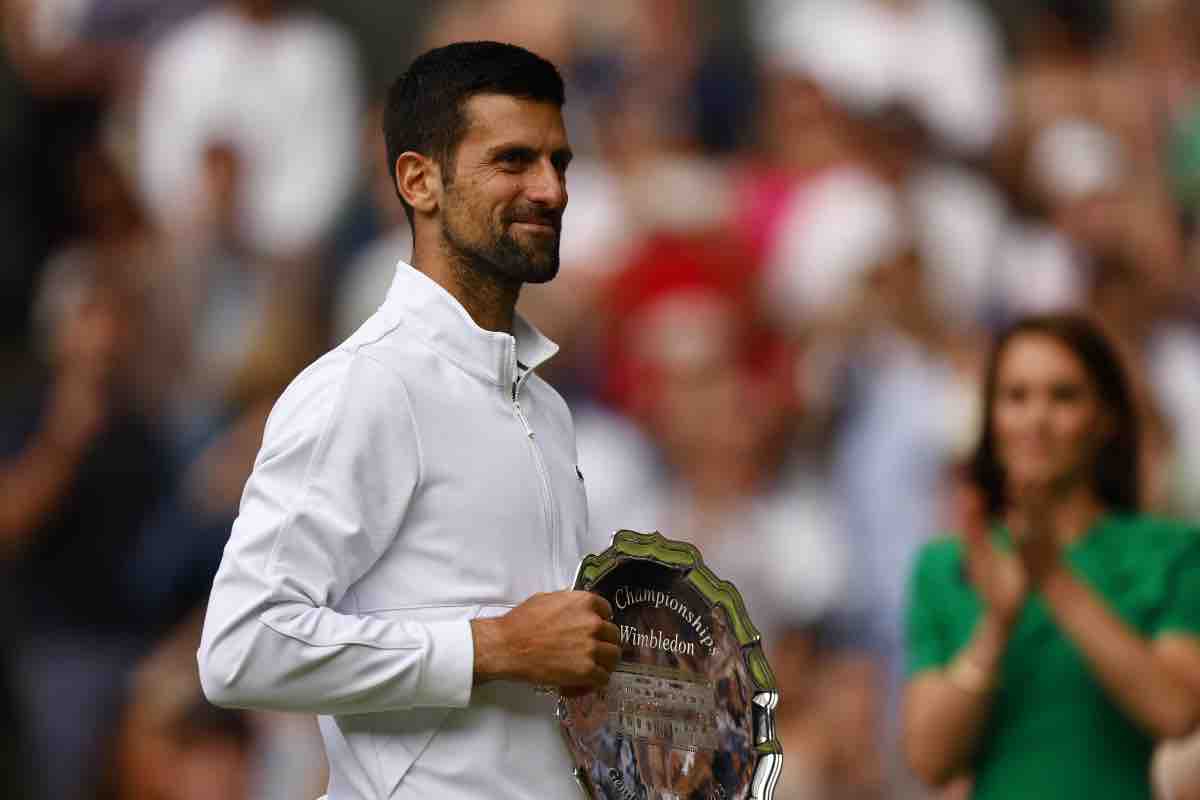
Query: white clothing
[942,58]
[408,482]
[284,94]
[835,232]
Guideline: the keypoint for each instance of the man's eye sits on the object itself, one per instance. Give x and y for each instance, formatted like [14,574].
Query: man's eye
[513,159]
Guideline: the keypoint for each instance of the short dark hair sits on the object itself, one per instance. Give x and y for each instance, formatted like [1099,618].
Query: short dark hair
[1116,476]
[425,106]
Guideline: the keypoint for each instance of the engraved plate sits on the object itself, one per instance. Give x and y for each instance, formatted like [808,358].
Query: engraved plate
[689,712]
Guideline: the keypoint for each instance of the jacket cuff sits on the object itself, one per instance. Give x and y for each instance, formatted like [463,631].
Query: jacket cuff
[449,672]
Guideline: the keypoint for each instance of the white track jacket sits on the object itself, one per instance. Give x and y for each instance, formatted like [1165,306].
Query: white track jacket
[412,479]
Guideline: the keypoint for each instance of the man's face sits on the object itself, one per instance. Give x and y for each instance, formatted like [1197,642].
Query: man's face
[506,189]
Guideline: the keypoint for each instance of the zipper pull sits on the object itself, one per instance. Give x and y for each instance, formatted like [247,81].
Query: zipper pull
[521,415]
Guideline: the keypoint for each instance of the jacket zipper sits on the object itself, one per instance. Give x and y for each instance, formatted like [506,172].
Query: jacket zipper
[548,505]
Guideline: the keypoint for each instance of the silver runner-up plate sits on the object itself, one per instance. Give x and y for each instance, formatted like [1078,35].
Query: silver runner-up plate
[689,713]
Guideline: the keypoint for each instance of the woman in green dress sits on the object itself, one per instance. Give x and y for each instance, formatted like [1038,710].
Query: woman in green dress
[1056,640]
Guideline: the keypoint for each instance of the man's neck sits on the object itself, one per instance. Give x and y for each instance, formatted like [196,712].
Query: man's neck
[490,302]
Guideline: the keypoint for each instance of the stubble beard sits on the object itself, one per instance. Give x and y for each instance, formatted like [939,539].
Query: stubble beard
[502,257]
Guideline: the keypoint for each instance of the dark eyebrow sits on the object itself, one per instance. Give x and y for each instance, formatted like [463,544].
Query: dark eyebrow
[510,149]
[514,147]
[561,156]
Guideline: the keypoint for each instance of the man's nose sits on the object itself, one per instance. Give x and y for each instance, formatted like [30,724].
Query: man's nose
[547,186]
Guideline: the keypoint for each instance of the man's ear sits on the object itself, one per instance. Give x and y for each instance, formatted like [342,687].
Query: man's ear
[419,181]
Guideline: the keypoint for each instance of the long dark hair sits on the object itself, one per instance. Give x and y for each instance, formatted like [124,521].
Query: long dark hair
[1116,473]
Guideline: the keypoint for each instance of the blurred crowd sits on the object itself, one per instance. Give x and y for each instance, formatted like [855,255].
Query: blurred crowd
[793,227]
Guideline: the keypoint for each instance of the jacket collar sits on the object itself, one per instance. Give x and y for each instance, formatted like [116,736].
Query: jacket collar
[445,325]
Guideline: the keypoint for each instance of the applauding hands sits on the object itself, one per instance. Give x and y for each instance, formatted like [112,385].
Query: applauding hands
[1005,578]
[998,576]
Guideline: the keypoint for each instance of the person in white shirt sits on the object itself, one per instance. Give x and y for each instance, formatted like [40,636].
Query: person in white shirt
[401,550]
[280,86]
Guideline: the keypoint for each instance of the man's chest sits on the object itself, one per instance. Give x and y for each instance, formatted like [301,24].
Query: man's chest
[499,511]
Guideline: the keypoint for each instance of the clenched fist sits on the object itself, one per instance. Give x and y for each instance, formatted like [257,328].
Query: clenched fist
[561,639]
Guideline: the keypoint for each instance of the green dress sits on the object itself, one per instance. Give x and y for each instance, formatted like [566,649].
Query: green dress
[1053,731]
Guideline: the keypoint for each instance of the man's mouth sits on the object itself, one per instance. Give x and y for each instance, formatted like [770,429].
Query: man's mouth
[543,224]
[540,227]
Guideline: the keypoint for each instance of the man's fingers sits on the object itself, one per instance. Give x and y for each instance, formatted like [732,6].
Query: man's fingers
[597,678]
[609,633]
[607,656]
[601,606]
[600,677]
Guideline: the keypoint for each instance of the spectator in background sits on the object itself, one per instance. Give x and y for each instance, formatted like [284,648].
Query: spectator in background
[1050,651]
[51,90]
[281,87]
[891,379]
[1149,326]
[170,744]
[827,714]
[879,260]
[940,56]
[711,393]
[242,323]
[65,65]
[1161,37]
[14,756]
[81,469]
[116,243]
[240,330]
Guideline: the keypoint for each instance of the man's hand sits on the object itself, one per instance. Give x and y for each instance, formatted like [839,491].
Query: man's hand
[561,639]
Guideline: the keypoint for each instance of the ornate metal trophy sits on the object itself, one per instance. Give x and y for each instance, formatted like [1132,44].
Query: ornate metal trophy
[690,711]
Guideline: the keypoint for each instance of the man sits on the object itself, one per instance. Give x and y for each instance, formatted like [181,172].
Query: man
[416,502]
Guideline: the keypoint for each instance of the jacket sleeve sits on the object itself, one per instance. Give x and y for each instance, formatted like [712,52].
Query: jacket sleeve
[339,465]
